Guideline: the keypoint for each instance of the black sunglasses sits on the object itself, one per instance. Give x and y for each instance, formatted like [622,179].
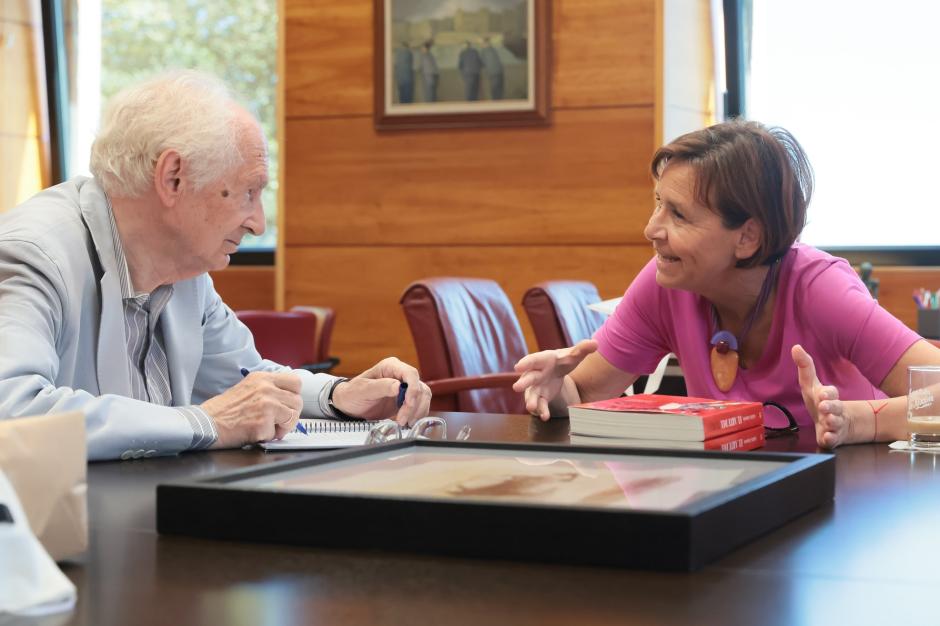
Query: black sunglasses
[770,432]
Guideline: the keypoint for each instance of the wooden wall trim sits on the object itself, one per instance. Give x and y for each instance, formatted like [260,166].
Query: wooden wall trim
[24,137]
[245,287]
[364,212]
[365,283]
[659,51]
[280,115]
[584,180]
[602,55]
[897,285]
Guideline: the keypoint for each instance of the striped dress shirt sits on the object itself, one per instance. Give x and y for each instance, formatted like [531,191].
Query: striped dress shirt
[149,369]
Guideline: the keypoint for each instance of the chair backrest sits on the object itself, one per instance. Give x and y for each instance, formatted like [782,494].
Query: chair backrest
[285,337]
[465,327]
[326,318]
[558,312]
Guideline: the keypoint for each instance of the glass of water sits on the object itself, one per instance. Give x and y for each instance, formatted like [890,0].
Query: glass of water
[923,407]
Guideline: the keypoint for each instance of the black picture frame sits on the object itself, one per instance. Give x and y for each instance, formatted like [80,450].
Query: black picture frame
[686,538]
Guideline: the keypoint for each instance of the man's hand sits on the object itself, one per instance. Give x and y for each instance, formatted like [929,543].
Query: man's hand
[263,406]
[373,394]
[543,373]
[833,426]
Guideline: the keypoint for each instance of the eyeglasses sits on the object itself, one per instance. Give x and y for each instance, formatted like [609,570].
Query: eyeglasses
[775,415]
[425,428]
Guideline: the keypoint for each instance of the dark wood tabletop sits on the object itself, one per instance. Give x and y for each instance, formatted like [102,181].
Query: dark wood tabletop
[871,557]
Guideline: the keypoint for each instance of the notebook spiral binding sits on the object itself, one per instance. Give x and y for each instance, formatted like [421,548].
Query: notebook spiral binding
[337,426]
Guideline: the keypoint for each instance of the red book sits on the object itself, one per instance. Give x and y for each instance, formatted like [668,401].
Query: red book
[677,418]
[748,439]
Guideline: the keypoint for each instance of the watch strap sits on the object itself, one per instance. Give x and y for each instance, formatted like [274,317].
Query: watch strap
[329,400]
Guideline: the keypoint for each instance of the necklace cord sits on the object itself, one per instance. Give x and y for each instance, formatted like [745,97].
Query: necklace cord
[762,297]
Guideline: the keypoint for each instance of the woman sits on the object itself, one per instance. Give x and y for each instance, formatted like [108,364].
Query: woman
[740,303]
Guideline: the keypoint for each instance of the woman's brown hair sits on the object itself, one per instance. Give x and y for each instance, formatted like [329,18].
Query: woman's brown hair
[746,170]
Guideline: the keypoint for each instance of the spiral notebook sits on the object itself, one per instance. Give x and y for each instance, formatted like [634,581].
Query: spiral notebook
[325,433]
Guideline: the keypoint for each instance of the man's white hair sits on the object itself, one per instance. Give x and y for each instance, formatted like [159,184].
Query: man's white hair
[185,110]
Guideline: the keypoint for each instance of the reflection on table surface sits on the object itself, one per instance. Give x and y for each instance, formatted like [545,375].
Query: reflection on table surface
[857,561]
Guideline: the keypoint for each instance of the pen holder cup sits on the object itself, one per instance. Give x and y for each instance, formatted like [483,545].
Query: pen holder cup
[928,323]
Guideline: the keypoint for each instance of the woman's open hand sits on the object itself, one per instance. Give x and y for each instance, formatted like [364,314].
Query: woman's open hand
[543,374]
[833,427]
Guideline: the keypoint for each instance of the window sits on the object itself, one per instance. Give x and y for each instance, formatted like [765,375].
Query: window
[115,43]
[856,84]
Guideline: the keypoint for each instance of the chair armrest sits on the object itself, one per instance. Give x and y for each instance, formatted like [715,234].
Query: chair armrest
[447,386]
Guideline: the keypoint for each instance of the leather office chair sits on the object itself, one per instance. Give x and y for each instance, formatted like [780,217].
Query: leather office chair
[468,339]
[557,310]
[326,319]
[286,337]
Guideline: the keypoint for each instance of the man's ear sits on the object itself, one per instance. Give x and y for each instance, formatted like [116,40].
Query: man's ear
[749,239]
[167,177]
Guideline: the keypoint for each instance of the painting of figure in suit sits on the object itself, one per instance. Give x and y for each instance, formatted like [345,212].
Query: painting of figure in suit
[458,55]
[404,73]
[494,68]
[429,73]
[470,65]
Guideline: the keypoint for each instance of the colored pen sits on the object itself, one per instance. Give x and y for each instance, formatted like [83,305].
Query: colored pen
[300,427]
[402,388]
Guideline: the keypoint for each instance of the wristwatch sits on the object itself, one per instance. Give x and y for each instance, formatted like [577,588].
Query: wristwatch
[329,400]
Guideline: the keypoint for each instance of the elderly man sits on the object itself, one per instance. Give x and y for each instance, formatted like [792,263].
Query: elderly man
[106,306]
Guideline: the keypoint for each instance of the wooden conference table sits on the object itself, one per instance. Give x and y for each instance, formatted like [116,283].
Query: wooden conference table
[871,557]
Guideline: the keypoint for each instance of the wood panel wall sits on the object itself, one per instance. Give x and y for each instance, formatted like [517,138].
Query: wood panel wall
[24,145]
[245,287]
[366,213]
[897,286]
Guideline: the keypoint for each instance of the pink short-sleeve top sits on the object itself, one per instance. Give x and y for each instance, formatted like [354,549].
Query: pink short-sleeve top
[820,304]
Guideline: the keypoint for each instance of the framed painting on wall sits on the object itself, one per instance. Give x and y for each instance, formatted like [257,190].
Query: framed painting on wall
[461,63]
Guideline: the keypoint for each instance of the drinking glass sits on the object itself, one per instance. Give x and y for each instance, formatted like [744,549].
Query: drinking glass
[923,407]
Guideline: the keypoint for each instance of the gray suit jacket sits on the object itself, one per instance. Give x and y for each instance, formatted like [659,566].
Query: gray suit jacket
[62,344]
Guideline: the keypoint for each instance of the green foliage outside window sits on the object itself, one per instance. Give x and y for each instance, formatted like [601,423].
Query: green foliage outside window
[233,39]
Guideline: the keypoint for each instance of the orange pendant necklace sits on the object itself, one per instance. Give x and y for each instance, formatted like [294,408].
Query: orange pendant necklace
[725,346]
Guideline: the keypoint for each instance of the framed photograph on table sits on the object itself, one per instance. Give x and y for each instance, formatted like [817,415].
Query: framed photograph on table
[446,64]
[652,509]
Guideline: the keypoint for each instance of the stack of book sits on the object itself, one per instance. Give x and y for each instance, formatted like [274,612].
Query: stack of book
[655,421]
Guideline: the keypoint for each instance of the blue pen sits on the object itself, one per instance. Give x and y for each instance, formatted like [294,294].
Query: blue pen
[300,427]
[402,388]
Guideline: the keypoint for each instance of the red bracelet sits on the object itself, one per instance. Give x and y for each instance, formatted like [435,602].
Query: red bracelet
[875,414]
